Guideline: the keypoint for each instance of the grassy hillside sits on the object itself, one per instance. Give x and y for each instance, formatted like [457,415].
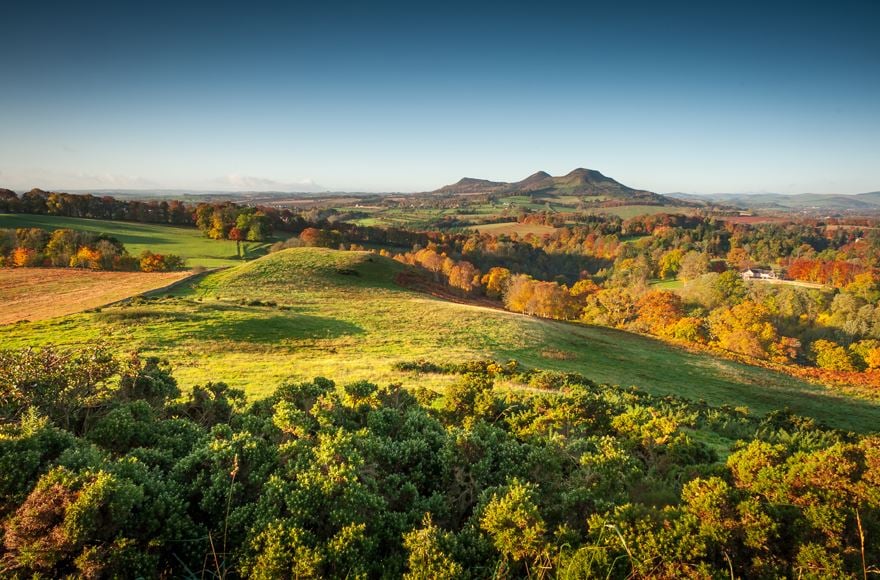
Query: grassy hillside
[187,242]
[340,314]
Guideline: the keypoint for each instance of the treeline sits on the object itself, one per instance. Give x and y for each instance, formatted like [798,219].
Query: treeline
[594,237]
[229,221]
[109,472]
[217,220]
[65,248]
[836,273]
[37,201]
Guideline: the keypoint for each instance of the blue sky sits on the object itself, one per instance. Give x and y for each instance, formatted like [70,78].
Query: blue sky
[667,96]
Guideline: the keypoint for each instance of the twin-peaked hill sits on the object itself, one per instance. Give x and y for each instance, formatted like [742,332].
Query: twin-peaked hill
[580,182]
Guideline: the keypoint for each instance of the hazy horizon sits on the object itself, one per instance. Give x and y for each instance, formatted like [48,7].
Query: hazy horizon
[722,97]
[317,189]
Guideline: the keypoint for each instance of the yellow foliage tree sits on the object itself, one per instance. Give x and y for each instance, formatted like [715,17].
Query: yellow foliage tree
[86,257]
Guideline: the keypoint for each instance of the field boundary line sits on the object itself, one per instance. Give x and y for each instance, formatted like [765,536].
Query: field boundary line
[165,288]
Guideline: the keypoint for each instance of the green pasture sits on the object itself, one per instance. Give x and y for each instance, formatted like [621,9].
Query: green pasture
[187,242]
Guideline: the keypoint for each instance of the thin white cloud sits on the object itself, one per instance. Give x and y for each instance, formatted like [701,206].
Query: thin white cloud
[55,180]
[27,179]
[237,181]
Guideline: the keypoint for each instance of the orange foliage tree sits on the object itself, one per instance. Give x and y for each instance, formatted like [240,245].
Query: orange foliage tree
[658,310]
[837,273]
[537,298]
[464,276]
[24,257]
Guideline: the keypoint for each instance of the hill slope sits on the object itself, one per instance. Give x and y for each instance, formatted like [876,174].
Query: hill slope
[309,312]
[580,182]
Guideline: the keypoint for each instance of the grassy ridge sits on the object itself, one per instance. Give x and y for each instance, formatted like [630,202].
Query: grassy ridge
[340,314]
[187,242]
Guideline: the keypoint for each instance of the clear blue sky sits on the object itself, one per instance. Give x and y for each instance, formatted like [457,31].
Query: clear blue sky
[667,96]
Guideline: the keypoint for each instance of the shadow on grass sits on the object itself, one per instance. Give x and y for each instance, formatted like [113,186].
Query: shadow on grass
[274,328]
[133,314]
[167,324]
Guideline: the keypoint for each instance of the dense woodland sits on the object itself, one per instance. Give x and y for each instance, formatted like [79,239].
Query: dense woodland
[108,472]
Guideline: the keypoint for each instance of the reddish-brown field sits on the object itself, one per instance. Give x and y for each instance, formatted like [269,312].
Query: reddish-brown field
[753,219]
[39,293]
[509,228]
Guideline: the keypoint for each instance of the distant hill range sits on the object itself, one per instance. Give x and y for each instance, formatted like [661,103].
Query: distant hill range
[797,202]
[580,182]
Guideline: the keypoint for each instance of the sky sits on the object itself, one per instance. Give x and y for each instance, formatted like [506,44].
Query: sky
[667,96]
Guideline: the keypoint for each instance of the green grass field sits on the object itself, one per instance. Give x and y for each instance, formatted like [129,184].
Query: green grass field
[667,284]
[187,242]
[340,315]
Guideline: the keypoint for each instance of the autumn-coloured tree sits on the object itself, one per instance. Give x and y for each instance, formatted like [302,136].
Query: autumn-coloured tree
[831,356]
[430,260]
[866,286]
[236,234]
[150,262]
[583,288]
[62,246]
[688,329]
[25,257]
[872,358]
[537,298]
[610,307]
[464,276]
[86,257]
[670,263]
[785,350]
[631,273]
[745,328]
[495,281]
[835,272]
[658,310]
[310,236]
[739,258]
